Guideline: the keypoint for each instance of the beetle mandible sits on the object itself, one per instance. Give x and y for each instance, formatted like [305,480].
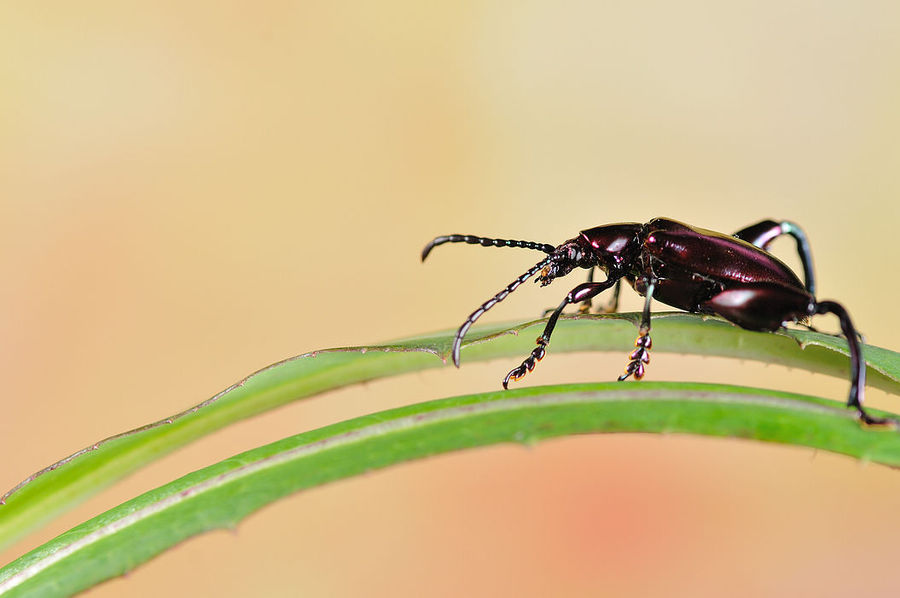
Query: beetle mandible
[690,268]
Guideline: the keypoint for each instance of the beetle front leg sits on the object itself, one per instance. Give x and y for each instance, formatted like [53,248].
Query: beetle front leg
[585,307]
[641,355]
[610,308]
[582,292]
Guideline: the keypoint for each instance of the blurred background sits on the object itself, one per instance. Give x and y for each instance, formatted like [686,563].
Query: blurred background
[191,191]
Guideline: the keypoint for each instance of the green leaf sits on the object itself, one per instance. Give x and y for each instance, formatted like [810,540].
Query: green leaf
[223,494]
[75,478]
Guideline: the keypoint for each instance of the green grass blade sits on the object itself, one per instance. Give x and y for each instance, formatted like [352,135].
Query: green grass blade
[223,494]
[75,478]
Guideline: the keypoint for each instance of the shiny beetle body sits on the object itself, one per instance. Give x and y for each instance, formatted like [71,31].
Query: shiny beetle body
[690,268]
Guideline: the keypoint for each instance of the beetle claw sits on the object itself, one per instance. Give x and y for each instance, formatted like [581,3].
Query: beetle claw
[877,421]
[514,374]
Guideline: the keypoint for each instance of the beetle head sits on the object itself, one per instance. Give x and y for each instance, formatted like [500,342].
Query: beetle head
[564,259]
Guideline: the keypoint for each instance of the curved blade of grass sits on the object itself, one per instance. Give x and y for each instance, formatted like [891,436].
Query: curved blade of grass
[76,477]
[221,495]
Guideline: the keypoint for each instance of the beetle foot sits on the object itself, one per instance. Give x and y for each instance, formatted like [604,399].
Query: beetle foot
[639,357]
[871,420]
[536,355]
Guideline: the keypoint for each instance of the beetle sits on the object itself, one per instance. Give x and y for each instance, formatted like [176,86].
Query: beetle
[690,268]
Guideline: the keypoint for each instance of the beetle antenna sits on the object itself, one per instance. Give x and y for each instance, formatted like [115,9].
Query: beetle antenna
[485,242]
[457,342]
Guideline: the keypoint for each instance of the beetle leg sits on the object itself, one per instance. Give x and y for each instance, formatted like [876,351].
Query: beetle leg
[763,306]
[613,305]
[641,355]
[763,233]
[610,307]
[857,365]
[585,307]
[580,293]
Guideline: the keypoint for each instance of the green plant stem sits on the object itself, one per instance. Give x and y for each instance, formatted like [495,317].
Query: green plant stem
[73,479]
[223,494]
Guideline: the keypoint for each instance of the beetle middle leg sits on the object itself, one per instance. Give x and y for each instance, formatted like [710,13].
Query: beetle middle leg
[613,306]
[582,292]
[641,355]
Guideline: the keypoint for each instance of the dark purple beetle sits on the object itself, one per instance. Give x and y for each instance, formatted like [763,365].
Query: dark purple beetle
[690,268]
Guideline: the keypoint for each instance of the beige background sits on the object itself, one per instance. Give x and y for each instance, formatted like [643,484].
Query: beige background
[190,191]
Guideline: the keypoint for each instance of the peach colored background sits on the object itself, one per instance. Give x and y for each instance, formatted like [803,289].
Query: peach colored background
[190,191]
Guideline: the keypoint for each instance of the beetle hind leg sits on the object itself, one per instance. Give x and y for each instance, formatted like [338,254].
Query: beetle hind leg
[857,364]
[763,233]
[641,355]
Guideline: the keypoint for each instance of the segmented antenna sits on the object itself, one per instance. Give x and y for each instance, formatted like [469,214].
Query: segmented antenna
[485,242]
[457,342]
